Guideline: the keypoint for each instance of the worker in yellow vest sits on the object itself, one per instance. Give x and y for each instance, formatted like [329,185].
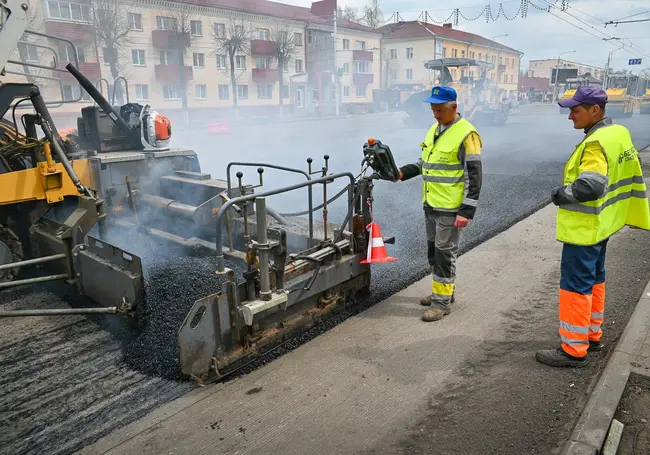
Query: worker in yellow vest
[451,171]
[603,191]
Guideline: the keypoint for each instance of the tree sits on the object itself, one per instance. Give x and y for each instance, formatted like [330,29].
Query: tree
[286,48]
[233,40]
[372,14]
[112,32]
[180,42]
[349,13]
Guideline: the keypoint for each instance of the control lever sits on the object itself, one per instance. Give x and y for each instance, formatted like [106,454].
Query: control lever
[380,159]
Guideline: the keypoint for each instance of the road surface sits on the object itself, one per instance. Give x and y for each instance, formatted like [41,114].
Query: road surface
[65,383]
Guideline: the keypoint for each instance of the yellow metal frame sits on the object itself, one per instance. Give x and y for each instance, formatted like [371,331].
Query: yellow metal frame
[48,181]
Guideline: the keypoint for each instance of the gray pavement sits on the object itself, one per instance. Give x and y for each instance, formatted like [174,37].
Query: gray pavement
[523,161]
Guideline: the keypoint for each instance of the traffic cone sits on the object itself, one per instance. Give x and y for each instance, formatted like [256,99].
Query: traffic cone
[376,249]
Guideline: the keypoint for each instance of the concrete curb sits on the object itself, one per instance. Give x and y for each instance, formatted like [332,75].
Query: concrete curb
[590,432]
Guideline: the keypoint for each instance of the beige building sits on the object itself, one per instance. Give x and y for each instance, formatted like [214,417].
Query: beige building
[406,46]
[544,68]
[151,63]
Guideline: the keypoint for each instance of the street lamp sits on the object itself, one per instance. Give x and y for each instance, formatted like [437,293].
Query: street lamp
[496,62]
[609,59]
[557,70]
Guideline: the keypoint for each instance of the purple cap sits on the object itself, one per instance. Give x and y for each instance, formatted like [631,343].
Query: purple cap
[589,94]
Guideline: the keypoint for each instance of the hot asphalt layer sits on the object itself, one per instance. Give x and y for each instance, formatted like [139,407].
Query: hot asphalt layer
[67,382]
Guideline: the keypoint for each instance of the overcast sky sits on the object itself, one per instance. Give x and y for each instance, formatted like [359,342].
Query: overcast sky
[542,34]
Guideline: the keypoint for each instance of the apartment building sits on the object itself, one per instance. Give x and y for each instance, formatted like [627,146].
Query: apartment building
[544,68]
[160,30]
[406,46]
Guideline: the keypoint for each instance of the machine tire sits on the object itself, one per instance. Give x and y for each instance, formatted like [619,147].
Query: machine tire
[10,242]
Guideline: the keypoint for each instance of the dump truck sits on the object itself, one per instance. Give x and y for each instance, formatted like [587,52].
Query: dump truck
[61,197]
[472,93]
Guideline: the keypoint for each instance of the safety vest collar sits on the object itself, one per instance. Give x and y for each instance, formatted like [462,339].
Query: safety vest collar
[437,133]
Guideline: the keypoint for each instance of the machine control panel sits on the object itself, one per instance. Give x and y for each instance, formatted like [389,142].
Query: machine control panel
[380,159]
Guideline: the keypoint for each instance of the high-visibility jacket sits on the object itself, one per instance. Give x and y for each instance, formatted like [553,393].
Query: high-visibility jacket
[443,174]
[623,203]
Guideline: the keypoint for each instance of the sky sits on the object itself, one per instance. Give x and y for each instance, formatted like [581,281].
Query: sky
[543,34]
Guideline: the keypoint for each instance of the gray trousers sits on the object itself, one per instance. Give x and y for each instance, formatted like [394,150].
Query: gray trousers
[442,242]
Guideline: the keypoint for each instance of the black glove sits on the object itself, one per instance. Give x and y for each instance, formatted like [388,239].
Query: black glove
[558,196]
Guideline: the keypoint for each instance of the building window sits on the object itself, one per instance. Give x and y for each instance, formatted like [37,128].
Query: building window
[166,57]
[224,91]
[137,57]
[454,53]
[361,45]
[362,66]
[66,54]
[221,61]
[346,44]
[444,51]
[198,60]
[72,92]
[298,39]
[135,21]
[165,23]
[285,66]
[201,92]
[409,52]
[462,53]
[285,91]
[171,92]
[242,92]
[263,62]
[480,56]
[240,62]
[361,91]
[69,10]
[346,91]
[262,33]
[346,68]
[264,91]
[28,52]
[409,75]
[393,54]
[196,28]
[220,30]
[141,92]
[511,79]
[298,66]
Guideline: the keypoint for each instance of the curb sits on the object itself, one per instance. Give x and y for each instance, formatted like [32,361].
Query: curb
[590,432]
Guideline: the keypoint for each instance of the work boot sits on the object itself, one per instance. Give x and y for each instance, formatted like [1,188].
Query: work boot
[426,301]
[559,358]
[435,313]
[595,346]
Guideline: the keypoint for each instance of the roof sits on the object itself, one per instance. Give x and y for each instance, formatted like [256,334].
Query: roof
[416,29]
[281,10]
[527,83]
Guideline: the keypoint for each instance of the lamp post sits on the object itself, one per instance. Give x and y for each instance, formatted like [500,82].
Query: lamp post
[557,71]
[495,61]
[609,60]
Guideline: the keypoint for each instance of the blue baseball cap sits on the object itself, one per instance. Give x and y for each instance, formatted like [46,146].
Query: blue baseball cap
[441,95]
[589,94]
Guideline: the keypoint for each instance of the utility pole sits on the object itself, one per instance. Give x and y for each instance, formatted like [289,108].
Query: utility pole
[609,60]
[336,68]
[557,72]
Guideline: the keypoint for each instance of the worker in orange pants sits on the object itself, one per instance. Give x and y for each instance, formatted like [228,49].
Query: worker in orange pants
[603,191]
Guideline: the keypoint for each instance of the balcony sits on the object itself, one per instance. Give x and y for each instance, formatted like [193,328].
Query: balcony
[263,47]
[265,75]
[79,32]
[365,56]
[92,70]
[167,39]
[171,74]
[363,78]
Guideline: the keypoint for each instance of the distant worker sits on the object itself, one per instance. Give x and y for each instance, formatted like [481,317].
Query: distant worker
[451,171]
[603,191]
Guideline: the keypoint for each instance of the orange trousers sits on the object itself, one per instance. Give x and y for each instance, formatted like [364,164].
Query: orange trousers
[582,297]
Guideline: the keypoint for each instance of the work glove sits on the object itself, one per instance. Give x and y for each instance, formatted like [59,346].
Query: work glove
[558,196]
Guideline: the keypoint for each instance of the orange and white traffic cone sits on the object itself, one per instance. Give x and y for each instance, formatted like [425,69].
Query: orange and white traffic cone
[376,249]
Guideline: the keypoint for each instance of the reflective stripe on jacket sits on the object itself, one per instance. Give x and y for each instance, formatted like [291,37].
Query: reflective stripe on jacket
[444,180]
[623,202]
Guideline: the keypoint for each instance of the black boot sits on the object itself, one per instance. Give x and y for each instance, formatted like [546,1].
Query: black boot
[559,358]
[595,346]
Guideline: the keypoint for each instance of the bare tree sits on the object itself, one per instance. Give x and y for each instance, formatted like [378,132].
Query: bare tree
[372,14]
[180,42]
[112,27]
[285,52]
[348,12]
[233,40]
